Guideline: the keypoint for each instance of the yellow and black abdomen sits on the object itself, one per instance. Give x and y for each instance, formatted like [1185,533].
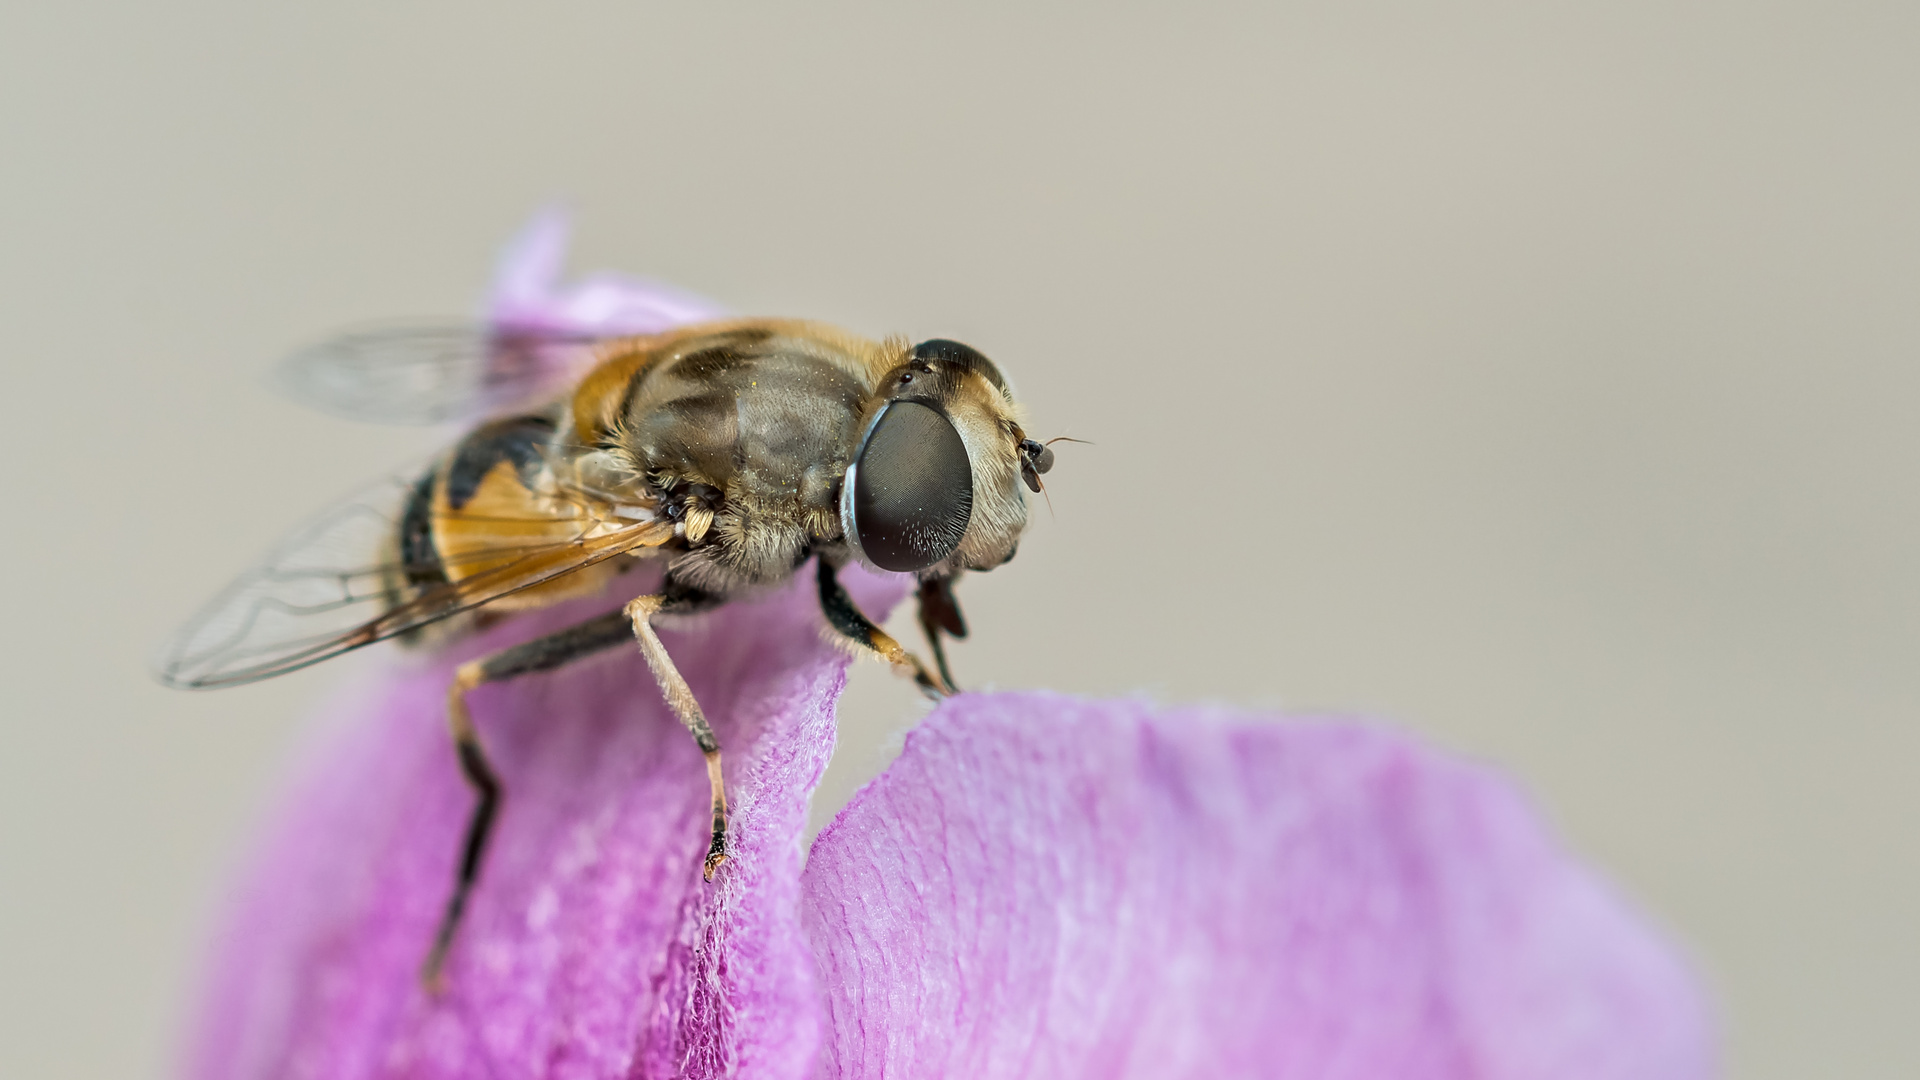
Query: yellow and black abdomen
[484,506]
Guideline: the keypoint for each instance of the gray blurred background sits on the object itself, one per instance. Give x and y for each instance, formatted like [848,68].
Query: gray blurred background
[1541,378]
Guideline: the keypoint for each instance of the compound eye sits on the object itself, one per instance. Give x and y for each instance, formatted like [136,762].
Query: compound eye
[911,489]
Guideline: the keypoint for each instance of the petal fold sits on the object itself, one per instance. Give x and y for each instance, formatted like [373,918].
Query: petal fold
[591,948]
[1049,887]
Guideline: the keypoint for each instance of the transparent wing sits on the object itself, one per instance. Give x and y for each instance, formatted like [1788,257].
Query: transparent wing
[328,590]
[427,374]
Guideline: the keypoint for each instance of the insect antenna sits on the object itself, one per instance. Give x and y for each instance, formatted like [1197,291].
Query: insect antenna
[1043,486]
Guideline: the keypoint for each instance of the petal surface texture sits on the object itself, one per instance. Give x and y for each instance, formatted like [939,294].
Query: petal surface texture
[591,947]
[1047,887]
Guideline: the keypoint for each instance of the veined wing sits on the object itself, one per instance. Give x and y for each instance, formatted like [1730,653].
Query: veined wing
[426,374]
[335,586]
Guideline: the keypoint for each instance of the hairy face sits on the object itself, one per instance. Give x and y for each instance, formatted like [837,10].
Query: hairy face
[934,484]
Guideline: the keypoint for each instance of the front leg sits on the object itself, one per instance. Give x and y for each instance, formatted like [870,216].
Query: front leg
[857,628]
[940,612]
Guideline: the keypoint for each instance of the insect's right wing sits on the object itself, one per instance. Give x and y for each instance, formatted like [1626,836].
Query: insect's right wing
[428,374]
[329,590]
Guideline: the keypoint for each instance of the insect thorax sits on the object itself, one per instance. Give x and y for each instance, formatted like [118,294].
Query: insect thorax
[744,439]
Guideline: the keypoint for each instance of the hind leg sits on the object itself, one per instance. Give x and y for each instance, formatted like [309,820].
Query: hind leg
[541,654]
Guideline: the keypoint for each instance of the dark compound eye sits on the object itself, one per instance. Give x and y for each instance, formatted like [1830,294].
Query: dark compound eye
[912,489]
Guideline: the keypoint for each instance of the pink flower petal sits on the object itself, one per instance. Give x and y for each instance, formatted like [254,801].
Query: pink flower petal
[527,294]
[1043,886]
[1040,886]
[592,948]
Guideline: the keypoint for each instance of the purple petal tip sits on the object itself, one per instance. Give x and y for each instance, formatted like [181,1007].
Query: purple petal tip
[528,295]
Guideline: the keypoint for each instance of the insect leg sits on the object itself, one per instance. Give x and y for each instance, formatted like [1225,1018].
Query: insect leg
[857,628]
[674,599]
[939,611]
[541,654]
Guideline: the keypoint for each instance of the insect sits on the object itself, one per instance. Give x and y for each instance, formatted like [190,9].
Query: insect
[734,452]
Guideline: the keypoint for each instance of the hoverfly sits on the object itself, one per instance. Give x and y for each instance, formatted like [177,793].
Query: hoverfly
[733,451]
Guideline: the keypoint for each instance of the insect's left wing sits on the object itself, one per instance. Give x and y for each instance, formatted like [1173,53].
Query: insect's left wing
[427,374]
[328,591]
